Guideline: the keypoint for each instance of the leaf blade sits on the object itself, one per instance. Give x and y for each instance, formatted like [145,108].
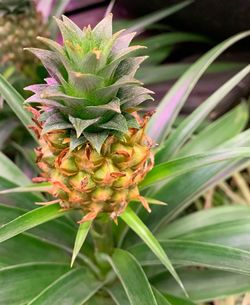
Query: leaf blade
[80,238]
[29,220]
[184,165]
[16,101]
[142,23]
[197,253]
[134,222]
[79,282]
[11,172]
[179,136]
[161,122]
[16,281]
[139,293]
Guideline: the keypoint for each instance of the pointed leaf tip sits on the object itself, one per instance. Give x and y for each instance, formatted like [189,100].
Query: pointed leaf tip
[80,125]
[80,238]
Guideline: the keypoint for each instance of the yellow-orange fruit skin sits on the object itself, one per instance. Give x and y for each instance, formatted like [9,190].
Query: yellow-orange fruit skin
[95,182]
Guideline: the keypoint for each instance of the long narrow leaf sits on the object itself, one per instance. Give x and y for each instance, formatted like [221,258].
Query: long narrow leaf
[204,284]
[172,300]
[35,187]
[58,232]
[26,248]
[15,101]
[134,222]
[161,300]
[226,127]
[155,74]
[20,283]
[195,253]
[76,286]
[192,122]
[187,164]
[143,22]
[118,294]
[81,235]
[173,101]
[205,218]
[183,190]
[139,291]
[11,172]
[232,234]
[59,7]
[30,220]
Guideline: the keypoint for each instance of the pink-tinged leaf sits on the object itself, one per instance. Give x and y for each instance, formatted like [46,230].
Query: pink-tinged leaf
[160,124]
[45,8]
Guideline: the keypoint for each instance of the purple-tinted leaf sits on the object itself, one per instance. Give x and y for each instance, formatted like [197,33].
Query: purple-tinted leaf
[160,124]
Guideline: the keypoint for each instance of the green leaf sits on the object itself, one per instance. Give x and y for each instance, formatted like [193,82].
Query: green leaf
[155,74]
[20,283]
[57,233]
[34,187]
[96,139]
[103,30]
[177,301]
[179,136]
[84,82]
[118,294]
[195,253]
[22,200]
[11,172]
[97,300]
[75,287]
[133,279]
[55,122]
[232,233]
[204,218]
[30,220]
[15,101]
[26,248]
[59,7]
[226,127]
[204,284]
[161,300]
[134,222]
[153,201]
[183,190]
[80,125]
[100,110]
[183,165]
[82,233]
[7,126]
[173,101]
[169,39]
[143,22]
[118,123]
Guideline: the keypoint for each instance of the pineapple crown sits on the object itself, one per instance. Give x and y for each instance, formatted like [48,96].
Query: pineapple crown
[91,92]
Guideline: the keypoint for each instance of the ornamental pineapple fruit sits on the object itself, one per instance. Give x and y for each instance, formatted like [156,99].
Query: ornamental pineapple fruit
[20,24]
[93,146]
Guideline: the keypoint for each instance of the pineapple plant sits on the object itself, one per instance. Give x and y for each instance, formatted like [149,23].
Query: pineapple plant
[20,24]
[98,157]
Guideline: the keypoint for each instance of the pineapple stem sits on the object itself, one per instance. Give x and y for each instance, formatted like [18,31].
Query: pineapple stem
[101,231]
